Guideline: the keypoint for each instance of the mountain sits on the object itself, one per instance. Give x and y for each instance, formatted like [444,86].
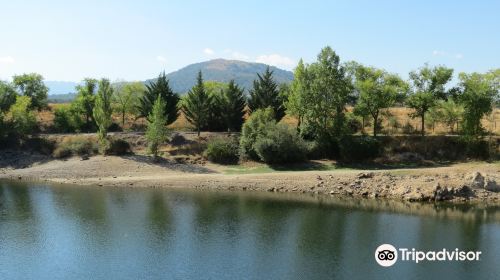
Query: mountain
[60,87]
[222,70]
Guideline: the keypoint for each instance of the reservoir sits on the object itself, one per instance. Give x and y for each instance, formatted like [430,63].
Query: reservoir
[73,232]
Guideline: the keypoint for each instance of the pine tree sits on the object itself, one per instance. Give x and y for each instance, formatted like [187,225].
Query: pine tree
[102,112]
[234,107]
[196,105]
[157,131]
[265,94]
[161,88]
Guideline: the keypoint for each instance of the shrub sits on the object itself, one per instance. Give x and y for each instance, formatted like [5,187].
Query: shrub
[75,145]
[358,148]
[222,150]
[118,147]
[253,127]
[67,120]
[22,119]
[280,144]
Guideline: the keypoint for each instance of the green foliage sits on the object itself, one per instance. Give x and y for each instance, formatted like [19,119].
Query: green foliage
[215,120]
[477,96]
[126,98]
[8,96]
[265,94]
[21,117]
[377,90]
[234,104]
[102,112]
[428,87]
[160,87]
[358,148]
[67,120]
[279,143]
[32,86]
[254,126]
[84,104]
[297,93]
[325,94]
[75,145]
[222,150]
[449,113]
[196,105]
[157,132]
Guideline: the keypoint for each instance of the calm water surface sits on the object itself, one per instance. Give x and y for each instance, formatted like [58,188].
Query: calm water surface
[62,232]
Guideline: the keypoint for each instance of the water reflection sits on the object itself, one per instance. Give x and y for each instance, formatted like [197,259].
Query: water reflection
[98,233]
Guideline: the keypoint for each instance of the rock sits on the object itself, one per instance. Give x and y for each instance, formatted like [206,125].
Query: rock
[19,177]
[491,185]
[271,189]
[477,180]
[84,158]
[441,194]
[365,175]
[464,191]
[319,178]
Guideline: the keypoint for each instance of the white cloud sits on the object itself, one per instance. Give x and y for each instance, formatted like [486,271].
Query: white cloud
[447,54]
[276,60]
[161,59]
[7,60]
[438,53]
[208,51]
[239,56]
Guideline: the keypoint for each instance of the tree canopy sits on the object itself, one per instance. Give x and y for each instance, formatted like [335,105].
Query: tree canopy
[265,94]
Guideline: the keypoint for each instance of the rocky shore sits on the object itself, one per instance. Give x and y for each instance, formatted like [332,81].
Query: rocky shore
[465,182]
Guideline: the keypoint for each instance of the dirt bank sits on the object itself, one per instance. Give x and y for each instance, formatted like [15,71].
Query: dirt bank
[453,183]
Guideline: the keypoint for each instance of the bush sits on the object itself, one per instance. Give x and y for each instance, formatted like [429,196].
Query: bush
[22,119]
[254,127]
[222,150]
[75,145]
[118,147]
[358,148]
[280,144]
[66,120]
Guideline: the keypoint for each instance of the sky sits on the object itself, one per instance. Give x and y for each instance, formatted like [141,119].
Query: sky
[136,40]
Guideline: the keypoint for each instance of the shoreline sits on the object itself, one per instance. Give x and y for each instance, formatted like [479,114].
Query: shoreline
[452,183]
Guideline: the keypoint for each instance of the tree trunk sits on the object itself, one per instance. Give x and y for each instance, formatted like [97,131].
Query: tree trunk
[375,125]
[198,131]
[123,119]
[423,123]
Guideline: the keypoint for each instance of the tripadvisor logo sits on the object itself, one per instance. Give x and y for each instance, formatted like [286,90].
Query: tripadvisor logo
[386,255]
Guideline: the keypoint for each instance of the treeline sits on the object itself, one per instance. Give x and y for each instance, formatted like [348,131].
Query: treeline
[318,98]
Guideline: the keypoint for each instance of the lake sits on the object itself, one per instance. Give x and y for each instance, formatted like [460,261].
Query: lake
[70,232]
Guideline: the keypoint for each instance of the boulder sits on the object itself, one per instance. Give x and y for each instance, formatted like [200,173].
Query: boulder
[477,180]
[491,185]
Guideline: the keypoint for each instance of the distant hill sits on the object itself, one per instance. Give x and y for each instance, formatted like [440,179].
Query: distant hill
[222,70]
[60,87]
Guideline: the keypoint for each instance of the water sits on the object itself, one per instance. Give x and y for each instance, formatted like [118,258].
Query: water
[67,232]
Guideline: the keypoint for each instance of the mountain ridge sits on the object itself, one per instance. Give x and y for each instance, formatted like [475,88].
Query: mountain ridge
[220,70]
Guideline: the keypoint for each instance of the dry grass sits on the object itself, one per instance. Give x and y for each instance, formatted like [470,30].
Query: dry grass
[491,122]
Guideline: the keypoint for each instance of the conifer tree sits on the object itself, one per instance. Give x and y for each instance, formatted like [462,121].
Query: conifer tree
[157,131]
[160,87]
[265,94]
[234,107]
[196,105]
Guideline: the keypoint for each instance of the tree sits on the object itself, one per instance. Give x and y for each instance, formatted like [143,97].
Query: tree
[32,85]
[160,87]
[85,102]
[299,89]
[196,105]
[254,127]
[215,121]
[234,107]
[265,94]
[377,90]
[103,111]
[21,117]
[157,132]
[330,91]
[477,96]
[428,87]
[450,113]
[126,98]
[8,96]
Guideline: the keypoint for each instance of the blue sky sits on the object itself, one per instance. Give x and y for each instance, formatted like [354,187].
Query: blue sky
[135,40]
